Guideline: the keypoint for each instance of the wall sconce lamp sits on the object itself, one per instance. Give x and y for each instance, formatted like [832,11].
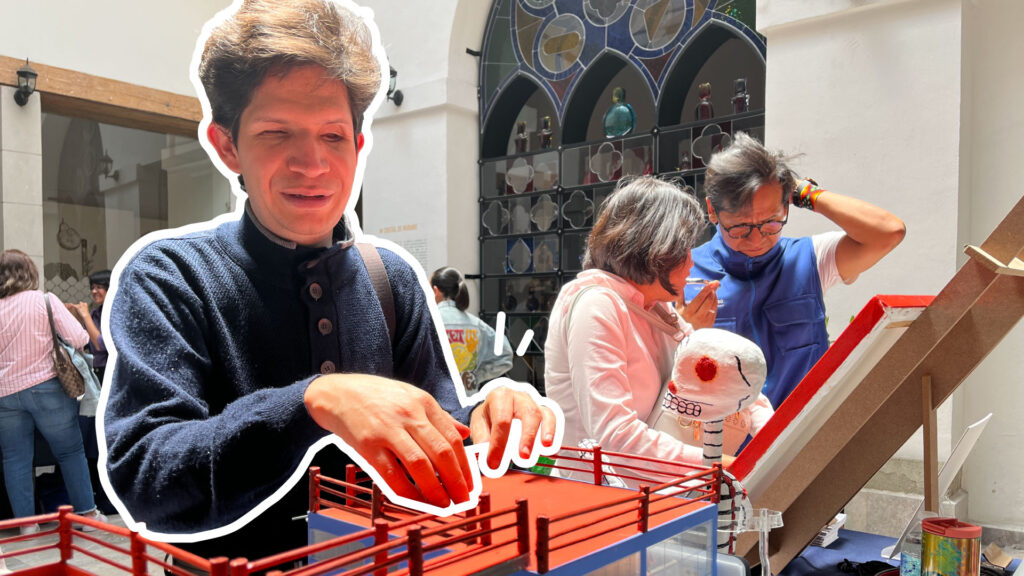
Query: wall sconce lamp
[395,96]
[26,84]
[106,166]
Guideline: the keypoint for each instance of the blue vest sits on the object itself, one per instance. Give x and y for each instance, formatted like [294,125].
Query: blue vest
[774,300]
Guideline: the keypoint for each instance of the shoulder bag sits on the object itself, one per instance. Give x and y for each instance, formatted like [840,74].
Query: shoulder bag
[73,366]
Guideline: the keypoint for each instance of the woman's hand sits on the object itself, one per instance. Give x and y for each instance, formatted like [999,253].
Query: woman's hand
[79,311]
[702,310]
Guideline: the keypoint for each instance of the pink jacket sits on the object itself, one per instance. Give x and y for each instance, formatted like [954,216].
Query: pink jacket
[606,370]
[26,342]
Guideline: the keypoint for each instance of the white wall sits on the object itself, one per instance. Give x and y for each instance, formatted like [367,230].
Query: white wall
[911,105]
[143,42]
[993,47]
[421,184]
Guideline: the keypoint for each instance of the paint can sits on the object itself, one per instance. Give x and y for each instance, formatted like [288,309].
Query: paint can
[950,548]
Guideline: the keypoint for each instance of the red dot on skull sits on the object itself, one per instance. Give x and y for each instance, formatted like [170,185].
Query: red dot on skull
[706,369]
[672,387]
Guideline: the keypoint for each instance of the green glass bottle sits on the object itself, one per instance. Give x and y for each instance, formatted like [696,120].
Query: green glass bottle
[620,119]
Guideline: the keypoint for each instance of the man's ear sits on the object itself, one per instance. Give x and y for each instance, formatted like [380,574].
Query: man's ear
[224,144]
[359,142]
[711,211]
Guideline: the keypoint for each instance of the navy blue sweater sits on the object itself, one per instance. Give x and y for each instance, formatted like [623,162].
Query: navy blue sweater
[218,334]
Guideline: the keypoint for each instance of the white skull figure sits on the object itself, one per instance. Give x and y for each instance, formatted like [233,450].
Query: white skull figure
[716,374]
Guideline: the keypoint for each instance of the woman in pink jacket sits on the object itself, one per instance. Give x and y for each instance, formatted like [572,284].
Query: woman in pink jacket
[614,331]
[31,397]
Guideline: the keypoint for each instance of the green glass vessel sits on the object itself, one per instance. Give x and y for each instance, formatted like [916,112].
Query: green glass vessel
[620,119]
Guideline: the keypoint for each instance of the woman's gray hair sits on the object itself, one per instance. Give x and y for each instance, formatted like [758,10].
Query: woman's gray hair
[734,174]
[645,231]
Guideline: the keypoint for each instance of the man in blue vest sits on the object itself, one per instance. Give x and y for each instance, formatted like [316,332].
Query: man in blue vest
[772,287]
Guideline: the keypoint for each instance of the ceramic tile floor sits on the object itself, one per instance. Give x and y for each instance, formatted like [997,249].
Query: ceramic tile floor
[80,560]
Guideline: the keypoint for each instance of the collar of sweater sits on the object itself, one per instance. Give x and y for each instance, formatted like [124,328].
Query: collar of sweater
[740,265]
[282,263]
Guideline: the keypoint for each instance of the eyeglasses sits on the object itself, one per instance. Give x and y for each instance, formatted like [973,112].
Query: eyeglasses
[769,228]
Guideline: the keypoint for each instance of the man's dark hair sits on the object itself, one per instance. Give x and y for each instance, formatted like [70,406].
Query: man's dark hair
[272,37]
[646,230]
[734,174]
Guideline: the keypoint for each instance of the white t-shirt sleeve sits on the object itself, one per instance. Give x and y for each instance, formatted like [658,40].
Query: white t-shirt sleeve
[825,253]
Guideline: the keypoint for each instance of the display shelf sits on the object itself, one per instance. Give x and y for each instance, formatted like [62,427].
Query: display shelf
[550,73]
[533,234]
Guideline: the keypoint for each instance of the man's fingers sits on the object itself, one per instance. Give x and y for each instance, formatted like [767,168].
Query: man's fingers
[421,470]
[529,414]
[462,429]
[548,426]
[394,476]
[441,439]
[500,406]
[480,425]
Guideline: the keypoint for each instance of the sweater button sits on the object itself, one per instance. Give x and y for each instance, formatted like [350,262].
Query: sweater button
[324,326]
[327,367]
[315,291]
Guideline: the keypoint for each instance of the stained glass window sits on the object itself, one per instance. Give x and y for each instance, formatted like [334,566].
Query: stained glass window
[550,72]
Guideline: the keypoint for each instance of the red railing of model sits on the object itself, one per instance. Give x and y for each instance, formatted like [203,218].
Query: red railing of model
[477,526]
[698,482]
[347,497]
[417,541]
[474,530]
[700,485]
[133,557]
[595,458]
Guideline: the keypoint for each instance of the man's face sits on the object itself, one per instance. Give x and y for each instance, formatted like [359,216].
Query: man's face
[297,151]
[765,206]
[99,294]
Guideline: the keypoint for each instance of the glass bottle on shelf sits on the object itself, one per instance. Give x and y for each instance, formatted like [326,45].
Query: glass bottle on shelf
[521,139]
[740,98]
[685,163]
[545,134]
[704,111]
[532,304]
[620,119]
[510,299]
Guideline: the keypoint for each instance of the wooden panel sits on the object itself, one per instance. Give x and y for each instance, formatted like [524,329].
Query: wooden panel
[72,93]
[971,315]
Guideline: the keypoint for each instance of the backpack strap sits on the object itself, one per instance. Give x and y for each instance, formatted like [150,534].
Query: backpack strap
[381,285]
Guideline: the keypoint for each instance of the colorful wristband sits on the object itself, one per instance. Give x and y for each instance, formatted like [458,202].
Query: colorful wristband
[806,193]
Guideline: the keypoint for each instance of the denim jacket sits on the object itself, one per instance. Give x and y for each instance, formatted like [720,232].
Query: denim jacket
[472,342]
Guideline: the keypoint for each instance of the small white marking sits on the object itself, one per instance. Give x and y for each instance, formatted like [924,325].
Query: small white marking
[499,333]
[524,343]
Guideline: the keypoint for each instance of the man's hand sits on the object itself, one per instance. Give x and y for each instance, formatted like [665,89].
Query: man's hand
[492,419]
[702,310]
[79,311]
[400,430]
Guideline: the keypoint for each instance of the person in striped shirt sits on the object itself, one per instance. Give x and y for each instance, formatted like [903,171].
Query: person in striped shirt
[31,397]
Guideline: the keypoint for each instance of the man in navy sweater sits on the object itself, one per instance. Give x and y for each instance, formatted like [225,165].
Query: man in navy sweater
[239,347]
